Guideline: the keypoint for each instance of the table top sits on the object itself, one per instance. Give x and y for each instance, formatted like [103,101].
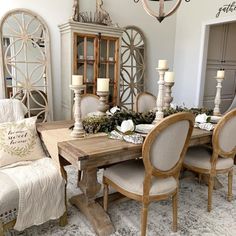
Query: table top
[96,147]
[100,150]
[54,125]
[67,123]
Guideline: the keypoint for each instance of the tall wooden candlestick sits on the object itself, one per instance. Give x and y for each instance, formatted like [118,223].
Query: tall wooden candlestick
[216,111]
[78,130]
[160,97]
[168,98]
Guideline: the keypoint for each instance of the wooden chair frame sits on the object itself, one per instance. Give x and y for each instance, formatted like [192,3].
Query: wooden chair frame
[139,96]
[151,171]
[217,151]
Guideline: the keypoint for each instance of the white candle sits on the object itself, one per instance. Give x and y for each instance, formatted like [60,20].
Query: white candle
[103,84]
[169,77]
[77,80]
[162,64]
[220,74]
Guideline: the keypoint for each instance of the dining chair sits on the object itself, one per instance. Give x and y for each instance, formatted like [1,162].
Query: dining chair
[219,158]
[145,102]
[89,103]
[155,177]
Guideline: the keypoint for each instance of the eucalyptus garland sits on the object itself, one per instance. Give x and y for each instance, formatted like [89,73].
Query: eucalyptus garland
[96,124]
[195,111]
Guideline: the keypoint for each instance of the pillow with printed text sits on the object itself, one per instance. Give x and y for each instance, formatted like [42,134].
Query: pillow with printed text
[19,141]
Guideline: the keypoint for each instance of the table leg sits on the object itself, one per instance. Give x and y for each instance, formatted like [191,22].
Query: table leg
[86,203]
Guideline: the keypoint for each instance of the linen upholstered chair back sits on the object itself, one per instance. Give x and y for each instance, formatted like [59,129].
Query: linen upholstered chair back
[164,148]
[11,110]
[145,102]
[89,103]
[224,135]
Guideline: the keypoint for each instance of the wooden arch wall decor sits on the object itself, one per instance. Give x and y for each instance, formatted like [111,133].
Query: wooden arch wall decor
[133,68]
[26,63]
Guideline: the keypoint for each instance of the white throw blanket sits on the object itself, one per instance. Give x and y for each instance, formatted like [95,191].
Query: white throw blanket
[41,192]
[11,110]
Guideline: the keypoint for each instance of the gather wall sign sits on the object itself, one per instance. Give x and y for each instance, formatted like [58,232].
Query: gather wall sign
[227,8]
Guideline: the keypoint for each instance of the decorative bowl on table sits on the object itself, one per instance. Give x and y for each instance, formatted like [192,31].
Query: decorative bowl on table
[144,128]
[215,119]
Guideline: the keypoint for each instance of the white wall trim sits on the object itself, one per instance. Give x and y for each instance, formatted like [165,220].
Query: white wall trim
[203,54]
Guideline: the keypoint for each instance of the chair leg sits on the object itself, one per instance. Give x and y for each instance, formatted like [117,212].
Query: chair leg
[210,190]
[105,196]
[1,229]
[230,185]
[63,220]
[175,211]
[144,219]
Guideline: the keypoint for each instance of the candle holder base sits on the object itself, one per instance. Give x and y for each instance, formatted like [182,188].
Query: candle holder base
[103,106]
[216,113]
[77,133]
[159,117]
[168,98]
[160,97]
[217,101]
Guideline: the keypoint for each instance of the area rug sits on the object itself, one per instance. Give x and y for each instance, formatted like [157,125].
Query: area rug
[193,218]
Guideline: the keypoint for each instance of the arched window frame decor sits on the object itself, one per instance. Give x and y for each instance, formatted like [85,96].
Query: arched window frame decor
[133,69]
[36,97]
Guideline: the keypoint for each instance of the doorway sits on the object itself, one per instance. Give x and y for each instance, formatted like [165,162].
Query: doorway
[221,56]
[218,51]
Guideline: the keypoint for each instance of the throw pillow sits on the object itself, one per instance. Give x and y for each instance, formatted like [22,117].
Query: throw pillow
[19,141]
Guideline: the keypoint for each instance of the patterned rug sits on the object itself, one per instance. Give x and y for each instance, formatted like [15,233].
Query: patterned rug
[193,218]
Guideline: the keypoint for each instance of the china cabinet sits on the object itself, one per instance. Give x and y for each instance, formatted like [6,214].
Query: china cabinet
[93,51]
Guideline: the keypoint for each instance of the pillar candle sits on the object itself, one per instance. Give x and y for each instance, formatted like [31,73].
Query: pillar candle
[77,80]
[220,74]
[162,64]
[169,76]
[103,84]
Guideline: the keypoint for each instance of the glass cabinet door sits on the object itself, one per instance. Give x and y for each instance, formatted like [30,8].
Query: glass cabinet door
[85,63]
[108,64]
[97,57]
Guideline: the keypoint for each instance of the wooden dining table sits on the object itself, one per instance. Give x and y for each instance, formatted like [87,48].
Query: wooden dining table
[93,152]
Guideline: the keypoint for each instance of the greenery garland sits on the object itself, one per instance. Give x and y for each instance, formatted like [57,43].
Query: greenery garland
[96,124]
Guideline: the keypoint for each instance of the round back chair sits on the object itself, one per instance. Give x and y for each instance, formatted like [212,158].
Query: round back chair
[145,102]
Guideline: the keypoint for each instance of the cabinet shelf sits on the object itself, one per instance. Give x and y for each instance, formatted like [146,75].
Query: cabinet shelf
[108,62]
[90,62]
